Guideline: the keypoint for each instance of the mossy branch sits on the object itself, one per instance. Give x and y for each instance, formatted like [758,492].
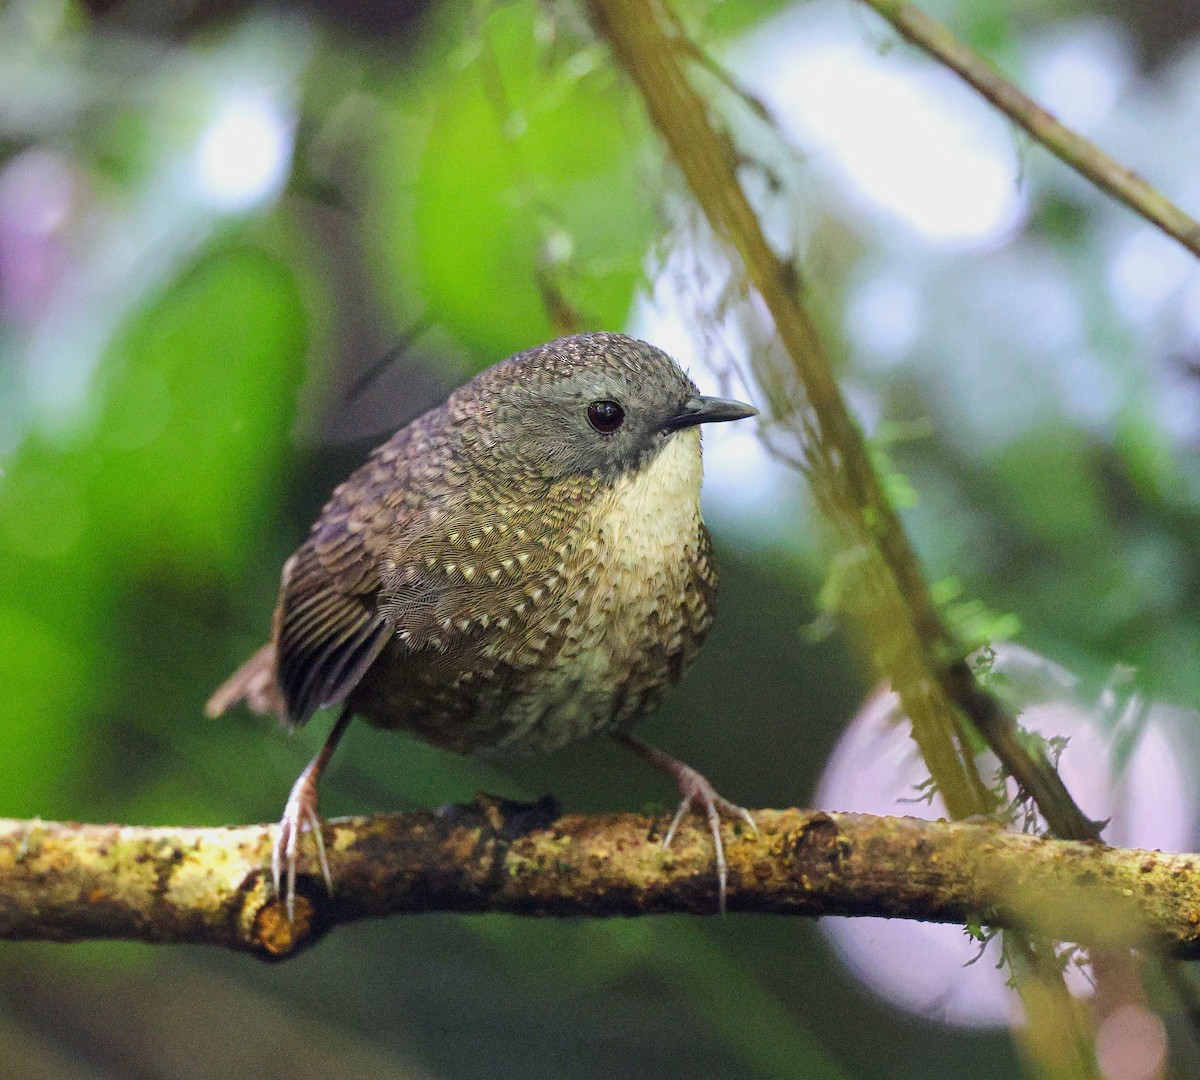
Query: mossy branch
[912,646]
[1085,157]
[71,882]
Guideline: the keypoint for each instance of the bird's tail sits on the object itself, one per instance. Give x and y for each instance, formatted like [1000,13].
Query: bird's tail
[253,683]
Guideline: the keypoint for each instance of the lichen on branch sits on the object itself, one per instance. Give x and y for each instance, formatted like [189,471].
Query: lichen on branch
[72,882]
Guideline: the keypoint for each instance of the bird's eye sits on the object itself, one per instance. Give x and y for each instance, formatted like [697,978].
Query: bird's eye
[605,416]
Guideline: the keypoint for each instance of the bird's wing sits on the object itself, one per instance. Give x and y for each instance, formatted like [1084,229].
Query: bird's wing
[329,627]
[450,574]
[387,562]
[478,568]
[325,638]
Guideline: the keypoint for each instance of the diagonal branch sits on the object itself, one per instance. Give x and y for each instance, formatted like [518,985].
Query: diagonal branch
[1085,157]
[913,648]
[71,882]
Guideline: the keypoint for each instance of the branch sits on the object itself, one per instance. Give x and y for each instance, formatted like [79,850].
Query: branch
[71,882]
[1085,157]
[913,648]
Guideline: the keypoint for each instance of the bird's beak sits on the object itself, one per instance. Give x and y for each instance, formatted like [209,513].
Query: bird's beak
[709,410]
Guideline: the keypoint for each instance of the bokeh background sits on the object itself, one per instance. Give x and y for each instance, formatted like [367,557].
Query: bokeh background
[240,243]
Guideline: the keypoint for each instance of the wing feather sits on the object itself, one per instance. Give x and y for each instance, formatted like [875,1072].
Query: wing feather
[326,638]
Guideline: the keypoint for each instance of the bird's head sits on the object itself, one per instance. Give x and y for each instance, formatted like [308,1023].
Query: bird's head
[599,403]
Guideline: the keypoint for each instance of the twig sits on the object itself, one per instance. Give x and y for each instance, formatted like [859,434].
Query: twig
[1085,157]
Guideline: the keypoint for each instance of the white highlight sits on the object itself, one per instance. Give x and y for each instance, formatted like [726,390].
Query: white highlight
[1146,268]
[1080,77]
[884,316]
[243,156]
[905,136]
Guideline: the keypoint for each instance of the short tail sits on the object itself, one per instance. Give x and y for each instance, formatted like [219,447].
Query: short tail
[253,683]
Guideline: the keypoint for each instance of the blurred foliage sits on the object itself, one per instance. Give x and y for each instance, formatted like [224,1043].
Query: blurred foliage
[135,514]
[185,372]
[521,220]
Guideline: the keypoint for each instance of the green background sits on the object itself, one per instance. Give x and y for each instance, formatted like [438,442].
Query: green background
[467,181]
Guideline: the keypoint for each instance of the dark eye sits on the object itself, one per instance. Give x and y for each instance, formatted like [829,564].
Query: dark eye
[605,416]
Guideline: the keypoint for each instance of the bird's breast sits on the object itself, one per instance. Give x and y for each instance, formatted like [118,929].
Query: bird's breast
[582,632]
[639,585]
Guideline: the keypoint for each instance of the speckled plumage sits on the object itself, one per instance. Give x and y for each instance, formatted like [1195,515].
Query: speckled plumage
[510,570]
[571,629]
[455,586]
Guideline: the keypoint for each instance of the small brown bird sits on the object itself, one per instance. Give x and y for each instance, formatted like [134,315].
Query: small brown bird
[518,568]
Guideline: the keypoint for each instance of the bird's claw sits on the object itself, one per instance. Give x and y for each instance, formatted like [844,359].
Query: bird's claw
[299,816]
[699,794]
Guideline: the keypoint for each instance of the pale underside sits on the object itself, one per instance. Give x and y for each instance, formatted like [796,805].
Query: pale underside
[585,640]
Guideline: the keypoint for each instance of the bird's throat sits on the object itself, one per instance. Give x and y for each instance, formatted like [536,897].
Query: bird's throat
[650,517]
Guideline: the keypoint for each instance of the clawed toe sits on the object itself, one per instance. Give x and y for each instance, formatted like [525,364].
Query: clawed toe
[732,810]
[299,816]
[697,794]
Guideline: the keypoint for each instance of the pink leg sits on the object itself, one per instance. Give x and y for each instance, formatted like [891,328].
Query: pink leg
[300,815]
[697,794]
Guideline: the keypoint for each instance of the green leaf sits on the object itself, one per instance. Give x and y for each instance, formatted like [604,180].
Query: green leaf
[526,212]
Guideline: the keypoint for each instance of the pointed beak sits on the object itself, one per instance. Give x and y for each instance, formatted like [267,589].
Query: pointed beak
[708,410]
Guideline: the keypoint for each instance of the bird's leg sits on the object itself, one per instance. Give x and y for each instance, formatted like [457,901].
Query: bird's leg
[300,815]
[697,794]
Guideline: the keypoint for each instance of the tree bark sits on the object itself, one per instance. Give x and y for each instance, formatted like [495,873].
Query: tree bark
[72,882]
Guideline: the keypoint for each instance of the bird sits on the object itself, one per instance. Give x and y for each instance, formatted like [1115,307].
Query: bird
[516,569]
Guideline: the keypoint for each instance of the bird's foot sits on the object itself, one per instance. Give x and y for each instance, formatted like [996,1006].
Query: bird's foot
[697,794]
[299,816]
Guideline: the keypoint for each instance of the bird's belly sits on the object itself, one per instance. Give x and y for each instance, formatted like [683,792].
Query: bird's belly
[600,671]
[629,609]
[609,674]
